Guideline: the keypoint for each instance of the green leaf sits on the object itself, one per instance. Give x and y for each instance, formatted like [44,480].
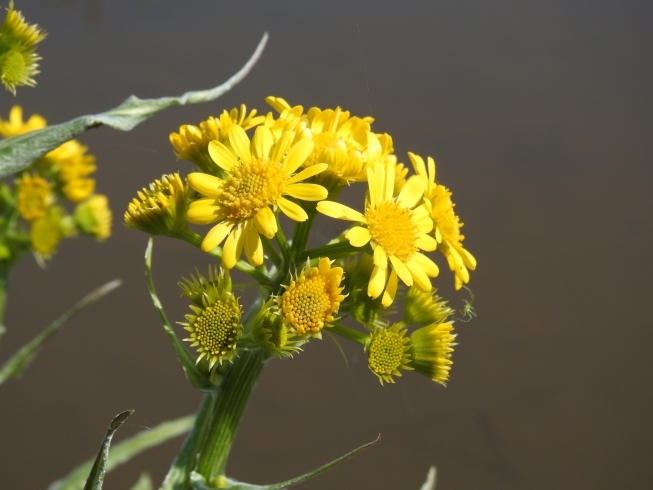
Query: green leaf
[18,152]
[199,483]
[197,378]
[99,469]
[126,450]
[17,363]
[429,484]
[143,483]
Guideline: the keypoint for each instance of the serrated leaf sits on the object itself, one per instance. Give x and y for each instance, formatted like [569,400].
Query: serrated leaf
[18,152]
[429,484]
[17,363]
[198,482]
[126,450]
[144,483]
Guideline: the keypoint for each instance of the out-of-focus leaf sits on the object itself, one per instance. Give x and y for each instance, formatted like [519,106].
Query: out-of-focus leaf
[126,450]
[199,483]
[18,152]
[17,363]
[143,483]
[429,484]
[96,477]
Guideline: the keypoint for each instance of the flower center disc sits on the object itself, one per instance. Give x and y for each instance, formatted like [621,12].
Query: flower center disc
[216,329]
[306,304]
[251,187]
[386,352]
[392,228]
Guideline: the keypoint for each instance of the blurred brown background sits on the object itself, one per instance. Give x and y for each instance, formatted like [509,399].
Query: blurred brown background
[539,115]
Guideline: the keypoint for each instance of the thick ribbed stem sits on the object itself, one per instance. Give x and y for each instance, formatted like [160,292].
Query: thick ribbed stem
[229,407]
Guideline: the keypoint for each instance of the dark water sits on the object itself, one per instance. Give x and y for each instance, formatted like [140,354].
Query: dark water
[540,117]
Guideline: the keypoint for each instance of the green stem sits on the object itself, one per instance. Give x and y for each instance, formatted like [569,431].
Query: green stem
[349,333]
[271,251]
[235,390]
[283,243]
[332,251]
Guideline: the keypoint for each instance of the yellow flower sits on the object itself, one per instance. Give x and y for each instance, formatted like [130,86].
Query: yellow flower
[93,217]
[73,166]
[387,352]
[161,209]
[446,223]
[46,232]
[18,40]
[347,144]
[311,300]
[34,197]
[422,308]
[396,227]
[430,351]
[191,142]
[15,125]
[258,174]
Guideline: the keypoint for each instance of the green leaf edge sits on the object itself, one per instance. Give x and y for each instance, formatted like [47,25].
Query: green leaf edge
[20,151]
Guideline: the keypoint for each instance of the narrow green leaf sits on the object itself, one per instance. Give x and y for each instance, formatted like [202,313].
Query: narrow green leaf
[199,483]
[198,379]
[429,484]
[17,363]
[126,450]
[143,483]
[18,152]
[99,469]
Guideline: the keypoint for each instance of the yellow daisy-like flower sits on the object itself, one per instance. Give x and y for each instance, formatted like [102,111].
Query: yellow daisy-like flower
[446,223]
[18,40]
[347,144]
[258,174]
[396,227]
[93,217]
[15,125]
[47,231]
[388,352]
[34,197]
[430,351]
[191,142]
[311,300]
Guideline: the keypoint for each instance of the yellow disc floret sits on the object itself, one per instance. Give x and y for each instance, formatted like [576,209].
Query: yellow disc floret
[392,228]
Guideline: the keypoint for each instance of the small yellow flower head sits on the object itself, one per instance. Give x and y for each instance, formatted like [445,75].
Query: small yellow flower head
[311,300]
[430,350]
[46,232]
[18,40]
[397,229]
[215,325]
[271,334]
[34,197]
[73,166]
[192,143]
[93,217]
[161,209]
[421,308]
[258,174]
[15,125]
[197,286]
[387,352]
[446,224]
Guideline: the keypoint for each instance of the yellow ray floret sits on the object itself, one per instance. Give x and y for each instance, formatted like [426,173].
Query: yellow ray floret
[15,125]
[446,224]
[311,300]
[259,173]
[397,229]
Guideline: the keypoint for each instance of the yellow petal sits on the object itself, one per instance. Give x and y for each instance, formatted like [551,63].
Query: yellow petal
[420,279]
[203,214]
[297,155]
[358,236]
[222,155]
[292,210]
[205,184]
[216,234]
[233,247]
[426,242]
[308,172]
[373,185]
[253,245]
[339,211]
[402,271]
[377,282]
[412,192]
[468,259]
[426,264]
[263,141]
[380,258]
[307,192]
[389,180]
[281,146]
[240,142]
[390,290]
[431,164]
[266,222]
[418,165]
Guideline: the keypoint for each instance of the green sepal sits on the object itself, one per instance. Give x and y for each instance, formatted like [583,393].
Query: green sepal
[16,364]
[429,484]
[18,152]
[143,483]
[198,482]
[126,450]
[197,378]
